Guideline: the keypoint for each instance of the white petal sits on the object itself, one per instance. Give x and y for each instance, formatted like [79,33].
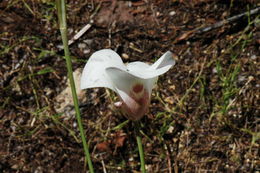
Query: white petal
[145,71]
[121,79]
[124,80]
[136,66]
[94,74]
[166,60]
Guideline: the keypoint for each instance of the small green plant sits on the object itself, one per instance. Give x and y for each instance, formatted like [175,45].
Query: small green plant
[228,76]
[228,84]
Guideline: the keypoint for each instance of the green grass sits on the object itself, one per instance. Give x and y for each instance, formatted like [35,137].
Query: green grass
[228,75]
[61,10]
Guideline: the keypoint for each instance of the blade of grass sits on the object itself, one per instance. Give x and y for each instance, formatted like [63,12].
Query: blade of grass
[61,7]
[141,153]
[140,146]
[121,125]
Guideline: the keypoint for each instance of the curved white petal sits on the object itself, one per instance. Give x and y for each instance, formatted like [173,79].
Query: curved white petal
[94,73]
[137,65]
[145,71]
[124,80]
[166,60]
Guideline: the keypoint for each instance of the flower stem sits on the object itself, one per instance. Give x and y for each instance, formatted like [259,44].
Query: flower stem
[61,7]
[140,147]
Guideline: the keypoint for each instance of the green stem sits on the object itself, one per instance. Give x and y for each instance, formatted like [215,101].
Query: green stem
[61,7]
[140,146]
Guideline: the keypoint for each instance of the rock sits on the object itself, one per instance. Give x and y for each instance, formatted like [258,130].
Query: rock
[64,101]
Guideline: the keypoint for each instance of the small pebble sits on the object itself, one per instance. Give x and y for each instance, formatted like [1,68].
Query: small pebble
[74,124]
[214,70]
[86,51]
[253,57]
[131,159]
[82,45]
[125,56]
[172,13]
[170,129]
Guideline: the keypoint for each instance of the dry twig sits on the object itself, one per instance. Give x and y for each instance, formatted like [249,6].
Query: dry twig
[201,30]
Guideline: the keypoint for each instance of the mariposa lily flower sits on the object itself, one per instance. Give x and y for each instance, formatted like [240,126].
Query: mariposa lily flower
[132,82]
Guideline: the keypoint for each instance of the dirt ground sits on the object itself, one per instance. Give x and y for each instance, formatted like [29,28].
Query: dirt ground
[204,113]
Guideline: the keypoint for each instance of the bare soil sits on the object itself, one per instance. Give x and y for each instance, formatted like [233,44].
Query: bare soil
[204,113]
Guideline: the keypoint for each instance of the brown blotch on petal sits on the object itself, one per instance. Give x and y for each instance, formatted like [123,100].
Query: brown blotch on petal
[138,88]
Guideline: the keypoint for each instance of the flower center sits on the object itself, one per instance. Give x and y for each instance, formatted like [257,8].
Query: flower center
[138,88]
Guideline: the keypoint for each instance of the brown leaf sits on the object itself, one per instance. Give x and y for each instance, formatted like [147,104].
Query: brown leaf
[119,141]
[103,146]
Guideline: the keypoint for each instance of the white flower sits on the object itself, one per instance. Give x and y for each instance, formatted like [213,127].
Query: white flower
[132,82]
